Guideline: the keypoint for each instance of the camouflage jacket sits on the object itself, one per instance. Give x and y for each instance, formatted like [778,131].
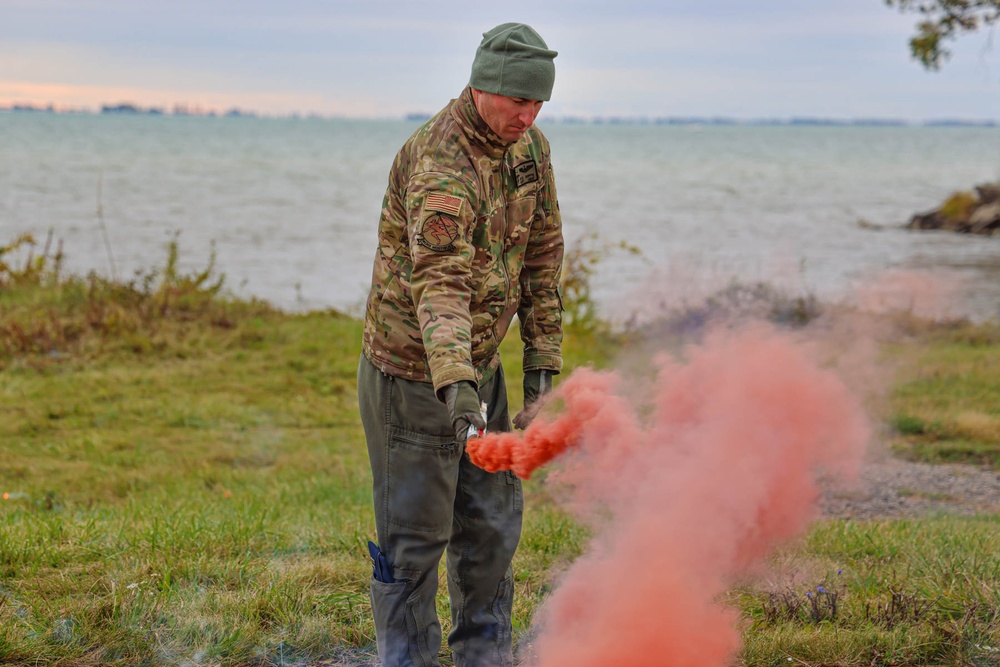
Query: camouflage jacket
[469,235]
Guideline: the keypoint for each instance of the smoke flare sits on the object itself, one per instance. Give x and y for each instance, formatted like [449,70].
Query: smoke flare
[689,489]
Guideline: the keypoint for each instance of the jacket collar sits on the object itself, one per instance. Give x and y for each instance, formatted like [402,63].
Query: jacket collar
[475,128]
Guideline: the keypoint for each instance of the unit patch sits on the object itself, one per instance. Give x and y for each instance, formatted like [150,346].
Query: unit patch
[439,233]
[525,172]
[443,203]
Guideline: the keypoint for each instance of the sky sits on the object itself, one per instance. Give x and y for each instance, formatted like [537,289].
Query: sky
[741,59]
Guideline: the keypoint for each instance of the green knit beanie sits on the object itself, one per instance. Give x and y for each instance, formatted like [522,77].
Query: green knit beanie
[513,60]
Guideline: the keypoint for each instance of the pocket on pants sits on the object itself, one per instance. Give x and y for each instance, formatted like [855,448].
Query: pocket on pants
[422,473]
[422,631]
[388,603]
[403,635]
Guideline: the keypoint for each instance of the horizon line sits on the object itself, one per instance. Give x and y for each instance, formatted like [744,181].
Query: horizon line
[184,110]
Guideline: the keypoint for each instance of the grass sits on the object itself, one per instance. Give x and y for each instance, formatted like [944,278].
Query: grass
[214,505]
[219,497]
[184,481]
[913,592]
[946,406]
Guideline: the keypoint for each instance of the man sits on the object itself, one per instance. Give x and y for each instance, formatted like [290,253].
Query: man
[469,236]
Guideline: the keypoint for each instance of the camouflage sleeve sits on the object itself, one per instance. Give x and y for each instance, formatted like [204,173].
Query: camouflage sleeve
[440,221]
[540,310]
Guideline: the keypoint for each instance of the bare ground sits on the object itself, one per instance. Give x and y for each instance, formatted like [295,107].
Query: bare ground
[891,488]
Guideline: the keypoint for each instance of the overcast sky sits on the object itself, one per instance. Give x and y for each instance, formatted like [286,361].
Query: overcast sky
[735,58]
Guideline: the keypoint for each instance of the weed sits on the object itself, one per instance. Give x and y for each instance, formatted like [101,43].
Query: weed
[814,606]
[899,608]
[44,268]
[580,263]
[50,318]
[784,606]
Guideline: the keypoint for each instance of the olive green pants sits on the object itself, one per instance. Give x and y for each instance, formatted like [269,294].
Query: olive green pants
[430,499]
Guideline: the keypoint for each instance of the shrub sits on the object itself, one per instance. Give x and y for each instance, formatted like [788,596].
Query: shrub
[47,316]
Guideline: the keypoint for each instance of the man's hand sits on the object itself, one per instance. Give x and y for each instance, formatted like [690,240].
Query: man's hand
[464,407]
[537,383]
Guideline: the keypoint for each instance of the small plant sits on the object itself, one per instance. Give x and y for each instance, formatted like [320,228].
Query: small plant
[33,270]
[901,608]
[47,316]
[815,606]
[784,606]
[186,291]
[579,266]
[822,604]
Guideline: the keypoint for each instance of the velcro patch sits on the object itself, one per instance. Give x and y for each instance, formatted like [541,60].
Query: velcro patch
[525,172]
[442,203]
[438,233]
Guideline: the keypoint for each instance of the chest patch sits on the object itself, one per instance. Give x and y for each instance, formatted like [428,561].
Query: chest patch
[442,203]
[438,233]
[525,172]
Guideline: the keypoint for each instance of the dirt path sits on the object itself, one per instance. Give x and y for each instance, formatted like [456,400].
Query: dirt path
[893,488]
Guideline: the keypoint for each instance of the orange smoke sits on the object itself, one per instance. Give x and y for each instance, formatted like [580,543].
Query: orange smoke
[722,466]
[590,405]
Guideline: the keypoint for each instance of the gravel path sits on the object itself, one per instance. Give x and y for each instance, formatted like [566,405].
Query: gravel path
[893,488]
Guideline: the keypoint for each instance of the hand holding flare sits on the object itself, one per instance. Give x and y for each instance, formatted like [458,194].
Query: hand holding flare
[588,398]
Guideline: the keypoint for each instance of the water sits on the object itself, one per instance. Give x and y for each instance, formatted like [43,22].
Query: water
[290,205]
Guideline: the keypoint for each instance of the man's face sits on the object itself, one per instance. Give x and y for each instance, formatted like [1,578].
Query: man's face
[508,117]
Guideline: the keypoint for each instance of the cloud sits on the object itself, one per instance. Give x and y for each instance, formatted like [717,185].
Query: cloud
[387,57]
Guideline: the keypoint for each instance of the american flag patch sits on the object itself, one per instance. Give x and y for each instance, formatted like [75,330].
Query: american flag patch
[443,203]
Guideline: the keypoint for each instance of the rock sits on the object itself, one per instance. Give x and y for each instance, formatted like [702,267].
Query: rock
[988,193]
[985,219]
[929,220]
[965,213]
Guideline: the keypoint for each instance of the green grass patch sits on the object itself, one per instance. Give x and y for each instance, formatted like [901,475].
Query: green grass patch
[214,505]
[946,405]
[184,481]
[915,592]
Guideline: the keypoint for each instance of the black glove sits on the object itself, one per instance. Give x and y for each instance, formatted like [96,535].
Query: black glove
[464,407]
[537,383]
